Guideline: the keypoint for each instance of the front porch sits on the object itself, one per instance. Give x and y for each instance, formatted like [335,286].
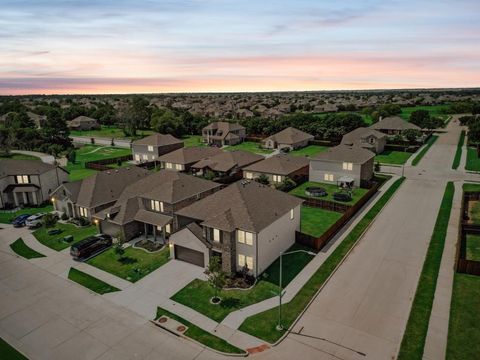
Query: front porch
[156,227]
[22,195]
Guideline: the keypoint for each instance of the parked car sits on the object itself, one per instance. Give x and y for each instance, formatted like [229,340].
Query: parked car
[342,196]
[90,246]
[34,221]
[20,220]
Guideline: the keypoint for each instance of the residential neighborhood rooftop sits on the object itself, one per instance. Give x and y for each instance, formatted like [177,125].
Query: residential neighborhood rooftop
[279,164]
[227,160]
[158,139]
[346,153]
[290,136]
[394,123]
[190,154]
[24,167]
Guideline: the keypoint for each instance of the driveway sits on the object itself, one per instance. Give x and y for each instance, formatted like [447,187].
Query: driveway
[46,158]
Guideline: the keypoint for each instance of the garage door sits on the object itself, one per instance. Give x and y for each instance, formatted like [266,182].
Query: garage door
[189,255]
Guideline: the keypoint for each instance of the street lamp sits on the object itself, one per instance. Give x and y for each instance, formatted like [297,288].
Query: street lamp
[279,326]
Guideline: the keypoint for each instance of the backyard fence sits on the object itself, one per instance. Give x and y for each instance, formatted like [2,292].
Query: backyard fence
[102,164]
[318,243]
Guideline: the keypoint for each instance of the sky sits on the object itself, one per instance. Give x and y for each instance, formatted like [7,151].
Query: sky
[120,46]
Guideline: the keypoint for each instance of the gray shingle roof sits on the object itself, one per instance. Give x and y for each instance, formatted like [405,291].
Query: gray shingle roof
[9,167]
[243,205]
[345,153]
[227,160]
[355,136]
[394,123]
[279,165]
[158,140]
[290,136]
[189,155]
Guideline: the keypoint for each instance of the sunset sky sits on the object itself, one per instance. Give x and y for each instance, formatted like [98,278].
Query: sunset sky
[118,46]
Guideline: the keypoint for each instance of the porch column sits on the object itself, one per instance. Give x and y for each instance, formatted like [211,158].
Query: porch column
[25,198]
[35,198]
[145,228]
[164,235]
[154,233]
[15,199]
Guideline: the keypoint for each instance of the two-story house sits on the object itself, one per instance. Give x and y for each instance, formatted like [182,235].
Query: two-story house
[83,123]
[366,138]
[246,224]
[343,164]
[147,207]
[85,197]
[221,133]
[28,182]
[279,167]
[182,159]
[151,147]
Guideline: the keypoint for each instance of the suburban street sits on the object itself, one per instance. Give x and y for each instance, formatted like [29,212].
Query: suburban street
[360,313]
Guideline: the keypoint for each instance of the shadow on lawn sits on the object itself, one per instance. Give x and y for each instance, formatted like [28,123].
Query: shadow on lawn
[126,260]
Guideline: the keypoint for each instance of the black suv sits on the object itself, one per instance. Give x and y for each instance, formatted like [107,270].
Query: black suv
[90,246]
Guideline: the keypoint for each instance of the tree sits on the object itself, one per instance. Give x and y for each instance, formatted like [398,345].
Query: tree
[286,185]
[263,179]
[216,277]
[411,135]
[72,156]
[474,131]
[49,220]
[421,118]
[118,246]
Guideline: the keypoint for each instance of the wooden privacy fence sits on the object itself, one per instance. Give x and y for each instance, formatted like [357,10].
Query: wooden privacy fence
[463,265]
[318,243]
[103,163]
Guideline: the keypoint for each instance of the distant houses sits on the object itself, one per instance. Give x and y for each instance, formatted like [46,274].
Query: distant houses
[289,138]
[150,148]
[82,123]
[352,165]
[221,133]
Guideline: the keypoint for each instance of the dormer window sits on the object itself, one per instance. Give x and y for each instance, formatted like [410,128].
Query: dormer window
[156,205]
[22,179]
[150,148]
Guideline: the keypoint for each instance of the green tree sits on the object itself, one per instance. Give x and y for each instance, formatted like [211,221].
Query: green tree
[216,277]
[411,135]
[421,118]
[72,156]
[263,179]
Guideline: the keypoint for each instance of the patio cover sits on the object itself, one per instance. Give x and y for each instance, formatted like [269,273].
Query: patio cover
[152,218]
[346,179]
[19,188]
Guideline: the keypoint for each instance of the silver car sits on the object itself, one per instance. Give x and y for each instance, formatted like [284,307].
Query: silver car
[34,221]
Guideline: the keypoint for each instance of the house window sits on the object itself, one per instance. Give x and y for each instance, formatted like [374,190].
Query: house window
[137,157]
[249,261]
[216,235]
[245,237]
[22,179]
[248,175]
[145,157]
[169,165]
[292,215]
[328,177]
[347,166]
[156,205]
[241,260]
[150,148]
[179,167]
[277,178]
[245,260]
[83,211]
[168,228]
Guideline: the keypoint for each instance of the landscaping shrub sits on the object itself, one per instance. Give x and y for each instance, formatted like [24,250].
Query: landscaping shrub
[49,220]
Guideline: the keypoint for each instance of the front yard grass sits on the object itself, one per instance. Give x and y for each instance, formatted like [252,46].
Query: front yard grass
[424,150]
[20,248]
[463,334]
[473,161]
[90,282]
[458,153]
[198,293]
[133,265]
[250,146]
[357,193]
[413,342]
[263,324]
[8,352]
[110,132]
[315,221]
[310,150]
[473,247]
[193,141]
[56,242]
[15,156]
[6,217]
[202,336]
[393,157]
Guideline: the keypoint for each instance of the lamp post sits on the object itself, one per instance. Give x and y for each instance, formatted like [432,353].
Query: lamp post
[279,326]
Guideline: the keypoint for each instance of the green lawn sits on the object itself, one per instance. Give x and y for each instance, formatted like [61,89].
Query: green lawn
[473,247]
[56,242]
[91,153]
[202,336]
[20,248]
[330,188]
[417,326]
[424,150]
[471,187]
[13,156]
[197,294]
[263,324]
[458,153]
[249,146]
[310,150]
[109,132]
[133,265]
[7,217]
[463,332]
[393,157]
[316,221]
[90,282]
[193,140]
[434,110]
[7,352]
[473,161]
[474,212]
